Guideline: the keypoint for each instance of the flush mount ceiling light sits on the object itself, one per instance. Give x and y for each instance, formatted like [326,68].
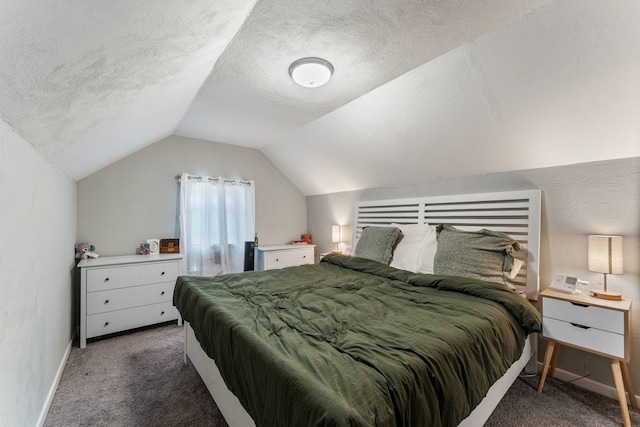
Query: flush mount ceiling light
[311,72]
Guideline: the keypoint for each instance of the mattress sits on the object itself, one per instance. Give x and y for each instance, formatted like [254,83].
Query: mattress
[354,342]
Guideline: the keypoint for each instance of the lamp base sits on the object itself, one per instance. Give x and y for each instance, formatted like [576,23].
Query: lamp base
[613,296]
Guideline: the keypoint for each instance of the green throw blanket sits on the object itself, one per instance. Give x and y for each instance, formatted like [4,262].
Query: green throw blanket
[353,342]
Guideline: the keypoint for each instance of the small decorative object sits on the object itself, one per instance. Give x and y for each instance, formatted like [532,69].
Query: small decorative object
[169,246]
[85,250]
[154,246]
[307,238]
[144,249]
[255,241]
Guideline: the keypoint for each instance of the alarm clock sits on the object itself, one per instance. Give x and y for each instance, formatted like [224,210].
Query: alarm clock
[567,284]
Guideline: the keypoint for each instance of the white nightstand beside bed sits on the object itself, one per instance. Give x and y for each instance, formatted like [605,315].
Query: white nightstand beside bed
[594,325]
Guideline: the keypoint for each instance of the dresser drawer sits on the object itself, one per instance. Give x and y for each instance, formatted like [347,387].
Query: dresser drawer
[585,315]
[118,299]
[100,279]
[120,320]
[589,338]
[288,258]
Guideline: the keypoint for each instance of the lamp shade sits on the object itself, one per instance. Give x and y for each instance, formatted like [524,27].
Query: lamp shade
[335,234]
[605,254]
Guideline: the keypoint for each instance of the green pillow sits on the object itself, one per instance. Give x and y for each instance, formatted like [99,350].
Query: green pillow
[377,243]
[483,254]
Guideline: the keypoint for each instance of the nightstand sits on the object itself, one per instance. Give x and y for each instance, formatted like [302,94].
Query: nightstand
[590,324]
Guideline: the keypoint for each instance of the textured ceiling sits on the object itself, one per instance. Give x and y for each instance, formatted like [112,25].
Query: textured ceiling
[558,87]
[422,90]
[249,98]
[87,83]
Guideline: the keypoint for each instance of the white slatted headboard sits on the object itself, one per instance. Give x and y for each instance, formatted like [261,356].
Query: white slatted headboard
[516,213]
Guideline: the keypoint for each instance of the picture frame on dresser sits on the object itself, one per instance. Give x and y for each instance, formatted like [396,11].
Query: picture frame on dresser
[118,293]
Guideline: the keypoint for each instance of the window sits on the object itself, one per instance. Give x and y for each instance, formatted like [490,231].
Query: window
[217,216]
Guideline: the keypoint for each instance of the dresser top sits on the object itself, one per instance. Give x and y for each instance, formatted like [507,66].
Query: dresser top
[283,247]
[126,259]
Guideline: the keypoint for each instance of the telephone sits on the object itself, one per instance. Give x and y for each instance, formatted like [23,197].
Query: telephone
[567,284]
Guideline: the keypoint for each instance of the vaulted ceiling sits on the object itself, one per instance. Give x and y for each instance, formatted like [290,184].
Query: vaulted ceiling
[422,90]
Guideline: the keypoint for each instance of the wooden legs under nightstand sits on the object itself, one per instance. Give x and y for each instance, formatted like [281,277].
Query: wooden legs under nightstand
[620,377]
[550,357]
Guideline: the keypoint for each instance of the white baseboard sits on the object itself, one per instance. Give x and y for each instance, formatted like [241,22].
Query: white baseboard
[586,383]
[54,386]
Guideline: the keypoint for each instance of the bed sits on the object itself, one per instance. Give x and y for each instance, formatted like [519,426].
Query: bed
[353,341]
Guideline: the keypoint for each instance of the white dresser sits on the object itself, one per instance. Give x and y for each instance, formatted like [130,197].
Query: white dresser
[281,256]
[124,292]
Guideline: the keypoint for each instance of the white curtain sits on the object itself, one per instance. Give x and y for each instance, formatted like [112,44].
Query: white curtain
[217,216]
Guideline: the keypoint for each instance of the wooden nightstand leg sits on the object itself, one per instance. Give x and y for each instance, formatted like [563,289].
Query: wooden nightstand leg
[628,385]
[617,379]
[548,355]
[554,361]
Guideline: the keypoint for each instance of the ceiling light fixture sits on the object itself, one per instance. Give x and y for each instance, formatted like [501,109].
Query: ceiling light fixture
[311,72]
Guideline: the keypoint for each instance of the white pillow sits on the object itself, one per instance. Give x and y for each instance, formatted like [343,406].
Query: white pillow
[428,251]
[415,251]
[406,252]
[515,268]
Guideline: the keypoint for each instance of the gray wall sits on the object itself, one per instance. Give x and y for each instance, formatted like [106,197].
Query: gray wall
[136,198]
[38,205]
[591,198]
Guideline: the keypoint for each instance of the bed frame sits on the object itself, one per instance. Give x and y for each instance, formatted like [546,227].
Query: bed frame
[516,213]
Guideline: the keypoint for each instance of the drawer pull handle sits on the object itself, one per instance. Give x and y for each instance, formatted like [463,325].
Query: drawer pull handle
[162,314]
[580,326]
[106,301]
[162,293]
[162,274]
[579,305]
[106,324]
[277,259]
[106,279]
[304,256]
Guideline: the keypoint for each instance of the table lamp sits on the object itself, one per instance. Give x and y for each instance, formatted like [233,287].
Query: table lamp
[605,256]
[335,235]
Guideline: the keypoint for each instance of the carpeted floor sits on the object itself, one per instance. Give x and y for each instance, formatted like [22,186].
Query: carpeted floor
[138,379]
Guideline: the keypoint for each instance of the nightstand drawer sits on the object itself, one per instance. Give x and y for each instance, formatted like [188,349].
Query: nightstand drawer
[589,338]
[586,315]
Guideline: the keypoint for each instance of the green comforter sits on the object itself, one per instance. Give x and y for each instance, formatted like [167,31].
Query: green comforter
[352,342]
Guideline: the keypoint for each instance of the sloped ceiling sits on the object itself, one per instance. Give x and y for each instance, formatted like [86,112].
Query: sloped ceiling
[422,90]
[88,83]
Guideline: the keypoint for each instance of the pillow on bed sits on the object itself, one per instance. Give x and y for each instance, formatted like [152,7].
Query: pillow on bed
[428,251]
[376,243]
[407,251]
[416,248]
[482,254]
[517,266]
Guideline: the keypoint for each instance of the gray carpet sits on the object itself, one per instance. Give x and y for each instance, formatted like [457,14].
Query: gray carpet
[135,379]
[138,379]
